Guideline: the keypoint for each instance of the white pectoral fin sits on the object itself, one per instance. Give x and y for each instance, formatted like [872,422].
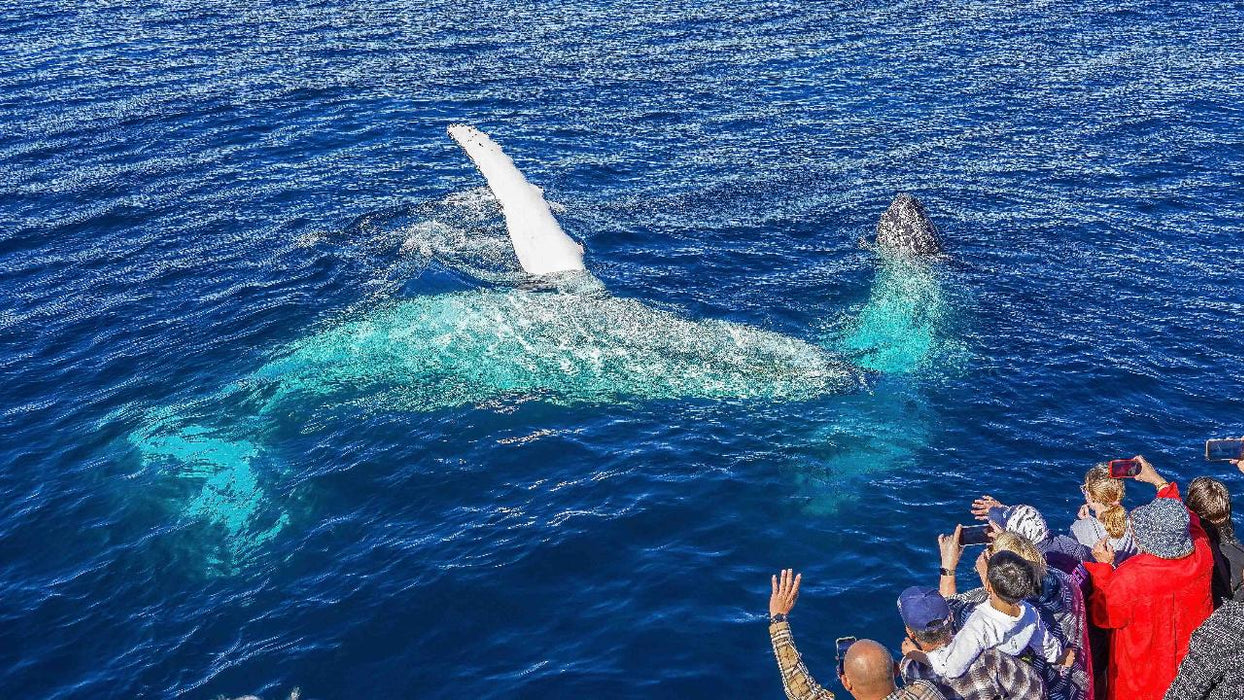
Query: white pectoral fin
[539,241]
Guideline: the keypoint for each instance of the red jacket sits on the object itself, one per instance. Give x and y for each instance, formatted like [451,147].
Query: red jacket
[1152,605]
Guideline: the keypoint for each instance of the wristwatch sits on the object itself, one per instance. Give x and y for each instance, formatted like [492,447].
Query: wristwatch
[776,618]
[947,572]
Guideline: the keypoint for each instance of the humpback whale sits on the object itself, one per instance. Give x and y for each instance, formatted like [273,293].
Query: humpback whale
[905,229]
[562,341]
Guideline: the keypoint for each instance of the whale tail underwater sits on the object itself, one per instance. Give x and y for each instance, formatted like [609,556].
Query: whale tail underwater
[563,341]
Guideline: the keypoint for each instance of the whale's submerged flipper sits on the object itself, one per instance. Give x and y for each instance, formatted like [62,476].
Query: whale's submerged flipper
[541,245]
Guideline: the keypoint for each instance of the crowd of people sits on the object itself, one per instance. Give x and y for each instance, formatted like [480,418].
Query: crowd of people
[1136,605]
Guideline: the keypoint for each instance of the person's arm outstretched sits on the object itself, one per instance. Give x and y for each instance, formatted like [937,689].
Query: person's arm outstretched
[796,680]
[951,551]
[1169,489]
[1149,475]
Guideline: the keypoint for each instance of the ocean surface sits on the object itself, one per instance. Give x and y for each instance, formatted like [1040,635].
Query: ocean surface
[280,409]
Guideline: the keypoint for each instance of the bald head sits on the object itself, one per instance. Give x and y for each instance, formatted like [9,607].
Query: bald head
[869,670]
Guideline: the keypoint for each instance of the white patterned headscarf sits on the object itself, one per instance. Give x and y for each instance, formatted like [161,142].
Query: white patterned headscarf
[1027,521]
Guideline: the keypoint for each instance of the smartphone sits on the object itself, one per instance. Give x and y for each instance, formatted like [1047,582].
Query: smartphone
[974,534]
[1124,468]
[844,643]
[1224,449]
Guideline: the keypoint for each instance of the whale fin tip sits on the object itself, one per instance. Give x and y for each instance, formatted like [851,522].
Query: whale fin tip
[539,242]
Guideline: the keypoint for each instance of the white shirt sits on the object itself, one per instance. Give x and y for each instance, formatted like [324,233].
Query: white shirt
[989,627]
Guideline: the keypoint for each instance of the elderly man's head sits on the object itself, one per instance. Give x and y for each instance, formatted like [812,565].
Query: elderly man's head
[868,670]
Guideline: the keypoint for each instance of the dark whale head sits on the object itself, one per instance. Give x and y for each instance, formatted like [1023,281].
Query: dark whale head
[905,228]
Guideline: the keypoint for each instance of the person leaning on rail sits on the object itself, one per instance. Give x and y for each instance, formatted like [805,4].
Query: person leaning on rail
[867,669]
[1060,551]
[1006,622]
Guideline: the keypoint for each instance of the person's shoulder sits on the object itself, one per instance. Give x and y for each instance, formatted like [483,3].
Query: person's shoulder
[1137,571]
[1028,614]
[1088,530]
[918,690]
[1069,544]
[980,616]
[1232,550]
[1062,578]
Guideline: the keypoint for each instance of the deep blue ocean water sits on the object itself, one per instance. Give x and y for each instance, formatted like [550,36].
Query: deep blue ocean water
[188,191]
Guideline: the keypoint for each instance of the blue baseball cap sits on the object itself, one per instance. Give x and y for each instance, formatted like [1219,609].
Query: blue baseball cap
[923,609]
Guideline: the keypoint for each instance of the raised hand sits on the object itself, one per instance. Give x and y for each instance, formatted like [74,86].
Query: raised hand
[950,549]
[1148,474]
[785,592]
[982,505]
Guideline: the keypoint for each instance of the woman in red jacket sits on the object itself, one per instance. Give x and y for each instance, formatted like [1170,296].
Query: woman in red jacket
[1155,599]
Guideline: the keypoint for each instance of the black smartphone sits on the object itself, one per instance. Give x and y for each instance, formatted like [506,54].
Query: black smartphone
[1224,449]
[844,643]
[974,534]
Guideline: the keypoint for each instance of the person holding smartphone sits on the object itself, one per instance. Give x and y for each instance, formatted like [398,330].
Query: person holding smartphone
[1103,514]
[1060,551]
[866,667]
[1152,602]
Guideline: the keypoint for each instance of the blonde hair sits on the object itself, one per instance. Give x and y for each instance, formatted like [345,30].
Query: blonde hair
[1211,501]
[1109,492]
[1018,544]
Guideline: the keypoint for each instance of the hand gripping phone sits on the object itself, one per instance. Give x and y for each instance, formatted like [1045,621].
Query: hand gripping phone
[843,644]
[1224,449]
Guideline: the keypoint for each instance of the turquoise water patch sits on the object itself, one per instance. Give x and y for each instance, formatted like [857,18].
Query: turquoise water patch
[901,327]
[230,498]
[488,348]
[470,348]
[481,348]
[902,331]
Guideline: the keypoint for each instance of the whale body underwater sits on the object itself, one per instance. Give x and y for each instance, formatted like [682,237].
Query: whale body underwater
[561,340]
